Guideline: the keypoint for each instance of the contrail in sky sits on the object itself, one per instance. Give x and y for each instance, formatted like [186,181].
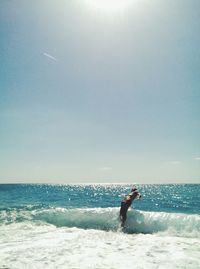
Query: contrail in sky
[50,56]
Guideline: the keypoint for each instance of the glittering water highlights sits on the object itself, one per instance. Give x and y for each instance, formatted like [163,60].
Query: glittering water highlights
[65,226]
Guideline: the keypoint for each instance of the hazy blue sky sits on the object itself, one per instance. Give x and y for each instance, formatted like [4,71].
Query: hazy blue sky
[100,91]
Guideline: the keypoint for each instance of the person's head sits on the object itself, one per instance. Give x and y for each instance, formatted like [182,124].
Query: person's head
[133,189]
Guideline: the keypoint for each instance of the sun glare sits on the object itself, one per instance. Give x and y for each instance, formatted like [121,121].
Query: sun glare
[109,5]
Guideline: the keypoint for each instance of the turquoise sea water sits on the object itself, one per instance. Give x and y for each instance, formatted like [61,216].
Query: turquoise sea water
[166,216]
[184,198]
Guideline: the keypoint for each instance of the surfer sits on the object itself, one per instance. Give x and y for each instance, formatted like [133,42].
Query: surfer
[126,203]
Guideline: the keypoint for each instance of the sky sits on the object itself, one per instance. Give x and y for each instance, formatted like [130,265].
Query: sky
[100,91]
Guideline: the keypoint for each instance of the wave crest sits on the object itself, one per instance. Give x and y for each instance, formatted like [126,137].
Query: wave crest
[108,219]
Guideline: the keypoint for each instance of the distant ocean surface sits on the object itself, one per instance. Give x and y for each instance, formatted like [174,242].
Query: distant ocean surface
[77,226]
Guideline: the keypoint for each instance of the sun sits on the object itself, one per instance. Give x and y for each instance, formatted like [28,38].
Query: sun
[109,5]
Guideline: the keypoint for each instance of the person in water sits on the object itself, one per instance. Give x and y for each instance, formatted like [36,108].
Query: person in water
[126,203]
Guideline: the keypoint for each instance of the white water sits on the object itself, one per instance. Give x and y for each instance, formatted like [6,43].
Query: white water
[36,243]
[29,245]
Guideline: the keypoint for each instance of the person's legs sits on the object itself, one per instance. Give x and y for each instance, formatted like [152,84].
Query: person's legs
[122,213]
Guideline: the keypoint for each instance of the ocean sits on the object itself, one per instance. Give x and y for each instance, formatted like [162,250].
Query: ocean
[77,226]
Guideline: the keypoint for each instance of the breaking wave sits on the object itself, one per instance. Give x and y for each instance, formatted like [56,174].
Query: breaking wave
[108,219]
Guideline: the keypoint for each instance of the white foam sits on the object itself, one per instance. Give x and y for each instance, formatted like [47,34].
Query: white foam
[39,245]
[68,238]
